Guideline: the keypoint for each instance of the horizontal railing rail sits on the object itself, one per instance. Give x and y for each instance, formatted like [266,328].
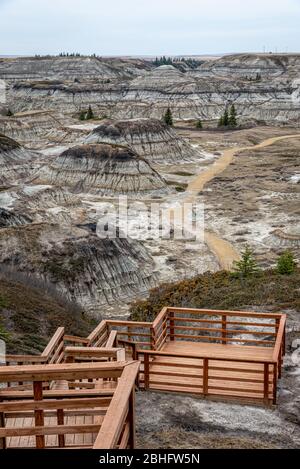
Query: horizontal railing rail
[253,379]
[78,354]
[60,413]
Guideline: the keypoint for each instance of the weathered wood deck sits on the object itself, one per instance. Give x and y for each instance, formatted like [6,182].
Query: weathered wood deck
[80,392]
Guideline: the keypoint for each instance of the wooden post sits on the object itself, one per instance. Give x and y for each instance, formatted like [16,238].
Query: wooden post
[205,376]
[280,362]
[146,371]
[39,414]
[132,440]
[20,382]
[266,383]
[153,340]
[172,329]
[60,421]
[275,383]
[2,424]
[224,329]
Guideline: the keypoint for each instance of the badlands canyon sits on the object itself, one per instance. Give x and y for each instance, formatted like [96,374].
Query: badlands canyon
[57,169]
[61,175]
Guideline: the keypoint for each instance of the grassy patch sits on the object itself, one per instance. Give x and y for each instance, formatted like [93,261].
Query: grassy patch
[31,316]
[3,302]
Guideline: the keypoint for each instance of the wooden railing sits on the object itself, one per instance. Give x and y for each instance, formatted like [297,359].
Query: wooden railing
[110,409]
[199,374]
[53,353]
[172,324]
[223,326]
[92,354]
[191,373]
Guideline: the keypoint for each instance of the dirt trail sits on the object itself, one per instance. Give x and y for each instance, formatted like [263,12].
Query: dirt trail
[223,250]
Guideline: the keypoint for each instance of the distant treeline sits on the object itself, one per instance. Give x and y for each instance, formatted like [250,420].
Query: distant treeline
[67,54]
[179,62]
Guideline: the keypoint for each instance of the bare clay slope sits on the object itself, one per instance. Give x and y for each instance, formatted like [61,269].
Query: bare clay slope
[263,87]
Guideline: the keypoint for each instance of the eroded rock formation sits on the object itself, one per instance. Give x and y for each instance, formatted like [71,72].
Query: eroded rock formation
[8,218]
[90,270]
[262,87]
[105,170]
[15,162]
[150,138]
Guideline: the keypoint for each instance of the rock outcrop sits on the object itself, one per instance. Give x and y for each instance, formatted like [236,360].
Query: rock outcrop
[90,270]
[39,129]
[149,138]
[103,169]
[15,162]
[73,68]
[8,218]
[262,87]
[43,203]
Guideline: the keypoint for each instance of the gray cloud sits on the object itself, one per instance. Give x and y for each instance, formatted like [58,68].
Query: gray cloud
[143,27]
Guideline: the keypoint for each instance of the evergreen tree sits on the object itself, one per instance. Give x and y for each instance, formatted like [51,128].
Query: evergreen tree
[232,117]
[9,113]
[89,114]
[199,124]
[226,118]
[247,266]
[82,116]
[168,118]
[286,263]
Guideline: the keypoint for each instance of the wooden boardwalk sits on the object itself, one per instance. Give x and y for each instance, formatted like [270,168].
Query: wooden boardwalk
[80,392]
[176,371]
[60,408]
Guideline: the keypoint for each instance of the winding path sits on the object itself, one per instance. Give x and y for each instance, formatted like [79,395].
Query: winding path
[224,251]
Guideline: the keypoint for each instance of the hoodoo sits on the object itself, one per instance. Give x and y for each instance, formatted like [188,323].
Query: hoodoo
[15,161]
[150,138]
[105,170]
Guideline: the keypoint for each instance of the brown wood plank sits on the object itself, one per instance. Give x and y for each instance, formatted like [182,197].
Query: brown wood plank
[57,337]
[111,428]
[60,372]
[216,312]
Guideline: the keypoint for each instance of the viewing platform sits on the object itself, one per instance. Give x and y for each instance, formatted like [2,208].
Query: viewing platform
[80,392]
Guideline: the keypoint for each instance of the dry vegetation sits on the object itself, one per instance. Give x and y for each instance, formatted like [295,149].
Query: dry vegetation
[29,315]
[221,290]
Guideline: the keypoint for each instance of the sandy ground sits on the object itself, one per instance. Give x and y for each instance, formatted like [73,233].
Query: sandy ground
[224,251]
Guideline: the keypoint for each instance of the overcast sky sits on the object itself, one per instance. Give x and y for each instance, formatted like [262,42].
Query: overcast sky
[148,27]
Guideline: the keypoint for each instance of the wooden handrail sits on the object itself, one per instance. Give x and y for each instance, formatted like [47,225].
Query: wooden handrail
[58,336]
[134,324]
[25,358]
[66,371]
[50,404]
[102,326]
[201,356]
[216,312]
[280,338]
[95,353]
[112,339]
[115,418]
[76,339]
[159,317]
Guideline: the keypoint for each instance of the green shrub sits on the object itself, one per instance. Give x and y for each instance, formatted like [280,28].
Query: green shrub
[286,263]
[247,266]
[89,114]
[168,118]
